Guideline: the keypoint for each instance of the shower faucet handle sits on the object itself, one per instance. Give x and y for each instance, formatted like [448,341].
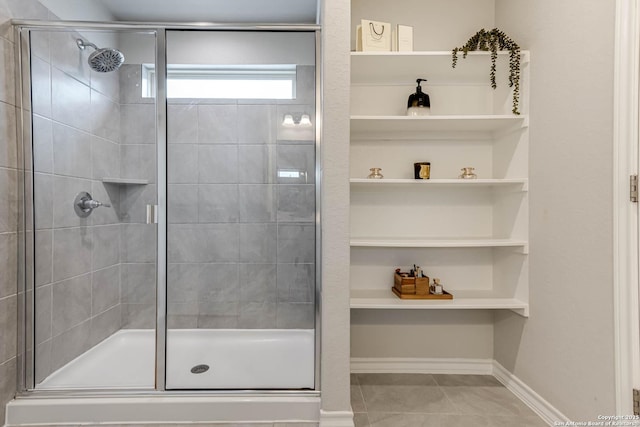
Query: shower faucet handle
[84,204]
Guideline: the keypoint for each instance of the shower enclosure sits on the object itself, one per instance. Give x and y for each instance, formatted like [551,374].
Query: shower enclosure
[170,215]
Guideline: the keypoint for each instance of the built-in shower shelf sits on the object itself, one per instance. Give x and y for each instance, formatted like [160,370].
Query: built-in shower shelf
[125,181]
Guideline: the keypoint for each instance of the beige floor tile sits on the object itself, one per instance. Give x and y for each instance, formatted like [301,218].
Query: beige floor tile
[467,380]
[491,421]
[396,379]
[379,419]
[357,401]
[406,398]
[485,401]
[361,420]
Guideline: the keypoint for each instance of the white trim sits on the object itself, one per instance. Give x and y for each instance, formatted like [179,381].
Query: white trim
[533,400]
[421,365]
[336,419]
[625,215]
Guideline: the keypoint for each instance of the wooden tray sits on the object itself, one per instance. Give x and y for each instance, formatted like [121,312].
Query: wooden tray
[445,295]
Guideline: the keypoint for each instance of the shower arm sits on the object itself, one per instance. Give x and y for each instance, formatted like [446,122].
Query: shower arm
[83,44]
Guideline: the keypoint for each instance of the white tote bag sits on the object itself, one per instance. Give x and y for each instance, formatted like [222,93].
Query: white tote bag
[376,36]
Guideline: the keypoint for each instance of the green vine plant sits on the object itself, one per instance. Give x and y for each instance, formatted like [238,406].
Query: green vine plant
[493,41]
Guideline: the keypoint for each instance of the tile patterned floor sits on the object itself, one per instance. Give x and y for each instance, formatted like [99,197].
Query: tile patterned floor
[421,400]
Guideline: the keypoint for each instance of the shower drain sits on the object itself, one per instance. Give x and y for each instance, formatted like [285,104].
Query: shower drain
[199,369]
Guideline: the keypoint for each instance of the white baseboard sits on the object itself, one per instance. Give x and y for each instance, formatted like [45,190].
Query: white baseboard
[336,419]
[421,365]
[461,366]
[533,400]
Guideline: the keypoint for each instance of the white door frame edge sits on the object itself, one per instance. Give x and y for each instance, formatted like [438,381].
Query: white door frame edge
[625,213]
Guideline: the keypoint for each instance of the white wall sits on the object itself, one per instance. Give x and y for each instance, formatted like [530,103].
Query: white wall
[565,350]
[335,207]
[437,25]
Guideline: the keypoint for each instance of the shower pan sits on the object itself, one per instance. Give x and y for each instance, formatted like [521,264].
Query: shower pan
[170,214]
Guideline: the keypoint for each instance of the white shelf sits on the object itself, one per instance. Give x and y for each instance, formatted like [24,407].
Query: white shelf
[125,181]
[405,67]
[390,182]
[462,300]
[387,125]
[421,242]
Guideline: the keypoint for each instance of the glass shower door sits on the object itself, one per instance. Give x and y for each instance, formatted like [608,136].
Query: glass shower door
[94,171]
[241,210]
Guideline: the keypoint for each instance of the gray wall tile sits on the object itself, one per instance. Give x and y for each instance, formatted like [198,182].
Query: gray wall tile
[41,87]
[257,315]
[257,203]
[8,84]
[68,57]
[182,316]
[217,123]
[8,264]
[106,246]
[8,200]
[256,164]
[43,308]
[72,152]
[258,243]
[43,361]
[72,303]
[218,283]
[296,243]
[214,315]
[203,243]
[183,283]
[138,283]
[183,203]
[105,117]
[108,84]
[182,167]
[257,283]
[295,315]
[71,252]
[218,164]
[296,203]
[43,144]
[138,316]
[256,124]
[104,325]
[70,344]
[182,123]
[70,101]
[130,85]
[299,158]
[105,290]
[138,162]
[296,282]
[8,141]
[43,195]
[137,124]
[138,243]
[106,158]
[44,257]
[218,203]
[8,338]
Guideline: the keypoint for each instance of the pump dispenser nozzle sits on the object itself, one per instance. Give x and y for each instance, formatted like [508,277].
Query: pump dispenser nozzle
[419,103]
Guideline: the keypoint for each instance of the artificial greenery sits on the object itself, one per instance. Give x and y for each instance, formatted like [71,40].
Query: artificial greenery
[493,41]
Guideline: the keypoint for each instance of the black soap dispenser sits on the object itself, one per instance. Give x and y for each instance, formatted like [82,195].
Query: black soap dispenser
[419,104]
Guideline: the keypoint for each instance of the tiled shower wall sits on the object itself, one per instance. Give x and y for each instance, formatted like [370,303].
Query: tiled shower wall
[25,9]
[241,239]
[76,127]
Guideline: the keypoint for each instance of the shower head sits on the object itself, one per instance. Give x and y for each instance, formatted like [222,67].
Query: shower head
[103,60]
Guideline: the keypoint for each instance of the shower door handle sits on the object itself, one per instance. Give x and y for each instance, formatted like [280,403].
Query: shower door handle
[152,214]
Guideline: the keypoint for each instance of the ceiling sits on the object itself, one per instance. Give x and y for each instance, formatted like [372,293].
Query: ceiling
[236,11]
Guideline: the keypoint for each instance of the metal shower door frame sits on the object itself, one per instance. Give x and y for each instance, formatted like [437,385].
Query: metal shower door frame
[26,240]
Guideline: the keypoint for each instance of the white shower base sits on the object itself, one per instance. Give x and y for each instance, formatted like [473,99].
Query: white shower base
[237,359]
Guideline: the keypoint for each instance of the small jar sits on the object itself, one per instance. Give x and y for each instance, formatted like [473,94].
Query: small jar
[467,173]
[375,173]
